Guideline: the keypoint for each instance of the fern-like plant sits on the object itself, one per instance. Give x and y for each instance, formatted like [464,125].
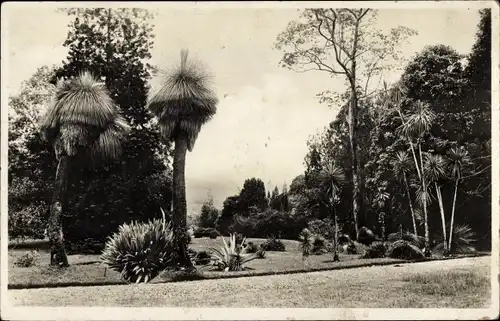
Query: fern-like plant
[139,251]
[462,241]
[230,257]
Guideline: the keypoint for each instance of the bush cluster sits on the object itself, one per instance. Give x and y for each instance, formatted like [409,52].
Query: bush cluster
[273,244]
[206,232]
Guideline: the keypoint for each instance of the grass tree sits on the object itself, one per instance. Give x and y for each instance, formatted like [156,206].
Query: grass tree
[184,103]
[415,126]
[401,167]
[459,159]
[331,178]
[81,121]
[435,173]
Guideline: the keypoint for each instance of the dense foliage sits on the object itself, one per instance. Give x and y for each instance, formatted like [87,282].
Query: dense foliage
[114,46]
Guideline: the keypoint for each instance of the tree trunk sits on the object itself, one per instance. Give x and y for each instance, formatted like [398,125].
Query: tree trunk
[426,221]
[335,238]
[58,255]
[354,161]
[443,220]
[179,214]
[453,214]
[411,205]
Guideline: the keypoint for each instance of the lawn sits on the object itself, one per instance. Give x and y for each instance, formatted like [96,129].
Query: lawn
[87,270]
[460,283]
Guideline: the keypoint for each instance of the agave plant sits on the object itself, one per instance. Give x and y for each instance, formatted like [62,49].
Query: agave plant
[230,257]
[139,251]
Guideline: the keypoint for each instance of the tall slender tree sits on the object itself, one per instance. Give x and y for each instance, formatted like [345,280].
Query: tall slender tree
[415,127]
[435,172]
[459,159]
[331,179]
[343,42]
[183,105]
[401,167]
[82,120]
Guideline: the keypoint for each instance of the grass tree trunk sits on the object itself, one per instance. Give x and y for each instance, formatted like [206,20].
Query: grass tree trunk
[453,214]
[443,220]
[179,214]
[411,205]
[58,255]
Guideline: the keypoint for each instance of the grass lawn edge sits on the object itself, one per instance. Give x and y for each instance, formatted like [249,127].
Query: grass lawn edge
[221,275]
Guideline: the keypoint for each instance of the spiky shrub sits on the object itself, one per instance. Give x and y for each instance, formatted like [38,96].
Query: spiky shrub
[206,232]
[418,241]
[28,259]
[375,250]
[462,241]
[305,239]
[230,257]
[261,253]
[139,251]
[273,244]
[405,250]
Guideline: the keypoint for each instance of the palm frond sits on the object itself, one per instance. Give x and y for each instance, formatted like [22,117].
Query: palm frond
[330,179]
[401,163]
[459,158]
[185,101]
[419,122]
[81,100]
[109,143]
[435,167]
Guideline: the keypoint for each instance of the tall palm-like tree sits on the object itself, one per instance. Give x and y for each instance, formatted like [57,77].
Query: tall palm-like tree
[401,166]
[414,127]
[331,178]
[81,121]
[435,173]
[183,105]
[459,158]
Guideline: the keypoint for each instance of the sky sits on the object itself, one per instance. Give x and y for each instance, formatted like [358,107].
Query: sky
[266,113]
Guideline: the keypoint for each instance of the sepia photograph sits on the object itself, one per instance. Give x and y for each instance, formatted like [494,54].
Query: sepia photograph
[250,160]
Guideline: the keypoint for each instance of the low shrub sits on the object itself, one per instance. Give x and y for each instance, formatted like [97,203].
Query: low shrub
[404,250]
[229,256]
[139,251]
[206,232]
[375,250]
[418,241]
[352,249]
[203,258]
[28,259]
[366,236]
[273,244]
[251,247]
[319,245]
